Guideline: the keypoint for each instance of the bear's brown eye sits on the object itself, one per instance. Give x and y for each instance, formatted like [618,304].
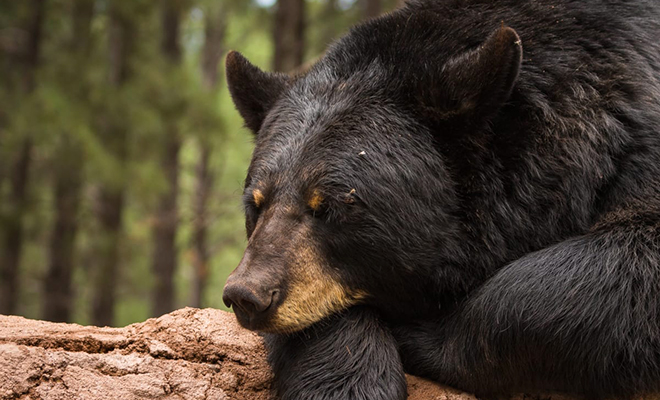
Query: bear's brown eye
[253,201]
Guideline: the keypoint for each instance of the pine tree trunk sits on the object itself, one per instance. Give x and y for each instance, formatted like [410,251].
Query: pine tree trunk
[213,48]
[165,228]
[289,35]
[201,255]
[329,30]
[164,259]
[58,296]
[371,8]
[13,239]
[18,173]
[214,35]
[111,206]
[114,136]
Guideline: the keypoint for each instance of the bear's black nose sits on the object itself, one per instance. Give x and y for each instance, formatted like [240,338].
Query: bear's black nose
[248,301]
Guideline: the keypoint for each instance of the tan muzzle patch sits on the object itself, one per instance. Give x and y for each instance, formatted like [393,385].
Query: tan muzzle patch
[313,295]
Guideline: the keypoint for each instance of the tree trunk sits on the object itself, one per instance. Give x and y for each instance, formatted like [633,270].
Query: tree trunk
[371,8]
[201,252]
[19,171]
[114,136]
[110,217]
[13,239]
[165,227]
[214,35]
[57,293]
[330,30]
[58,296]
[211,55]
[289,35]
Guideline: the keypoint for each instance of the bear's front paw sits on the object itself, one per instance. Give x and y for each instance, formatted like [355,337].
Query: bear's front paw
[350,356]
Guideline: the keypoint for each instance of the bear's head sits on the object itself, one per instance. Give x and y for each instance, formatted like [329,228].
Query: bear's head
[348,199]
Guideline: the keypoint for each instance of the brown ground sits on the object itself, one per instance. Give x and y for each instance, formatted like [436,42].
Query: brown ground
[189,354]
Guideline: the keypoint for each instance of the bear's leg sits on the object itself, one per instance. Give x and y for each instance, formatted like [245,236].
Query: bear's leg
[351,356]
[582,316]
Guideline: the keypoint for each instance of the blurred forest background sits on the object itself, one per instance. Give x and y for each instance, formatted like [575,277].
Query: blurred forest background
[121,156]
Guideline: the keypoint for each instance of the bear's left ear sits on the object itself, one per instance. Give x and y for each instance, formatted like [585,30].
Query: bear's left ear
[253,91]
[474,85]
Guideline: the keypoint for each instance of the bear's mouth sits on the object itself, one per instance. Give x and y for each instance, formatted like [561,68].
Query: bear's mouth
[257,322]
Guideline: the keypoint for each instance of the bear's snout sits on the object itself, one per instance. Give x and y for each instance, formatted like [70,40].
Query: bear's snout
[251,304]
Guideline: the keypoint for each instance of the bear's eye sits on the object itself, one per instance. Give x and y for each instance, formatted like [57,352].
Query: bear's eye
[258,198]
[332,209]
[253,203]
[254,200]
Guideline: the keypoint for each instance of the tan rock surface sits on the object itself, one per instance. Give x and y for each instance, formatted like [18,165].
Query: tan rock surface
[189,354]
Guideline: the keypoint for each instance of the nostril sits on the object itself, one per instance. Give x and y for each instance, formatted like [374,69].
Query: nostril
[245,299]
[274,296]
[231,296]
[227,300]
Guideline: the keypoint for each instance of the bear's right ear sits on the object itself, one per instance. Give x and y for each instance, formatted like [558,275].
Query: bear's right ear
[473,86]
[253,91]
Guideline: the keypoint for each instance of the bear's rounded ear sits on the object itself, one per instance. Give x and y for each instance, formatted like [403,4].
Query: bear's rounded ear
[253,91]
[476,84]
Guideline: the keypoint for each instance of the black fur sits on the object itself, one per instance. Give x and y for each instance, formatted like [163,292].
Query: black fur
[259,93]
[349,356]
[503,216]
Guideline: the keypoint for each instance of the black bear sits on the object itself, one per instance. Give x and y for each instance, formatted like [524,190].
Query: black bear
[466,190]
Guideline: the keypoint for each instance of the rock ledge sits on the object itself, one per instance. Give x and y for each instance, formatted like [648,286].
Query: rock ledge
[188,354]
